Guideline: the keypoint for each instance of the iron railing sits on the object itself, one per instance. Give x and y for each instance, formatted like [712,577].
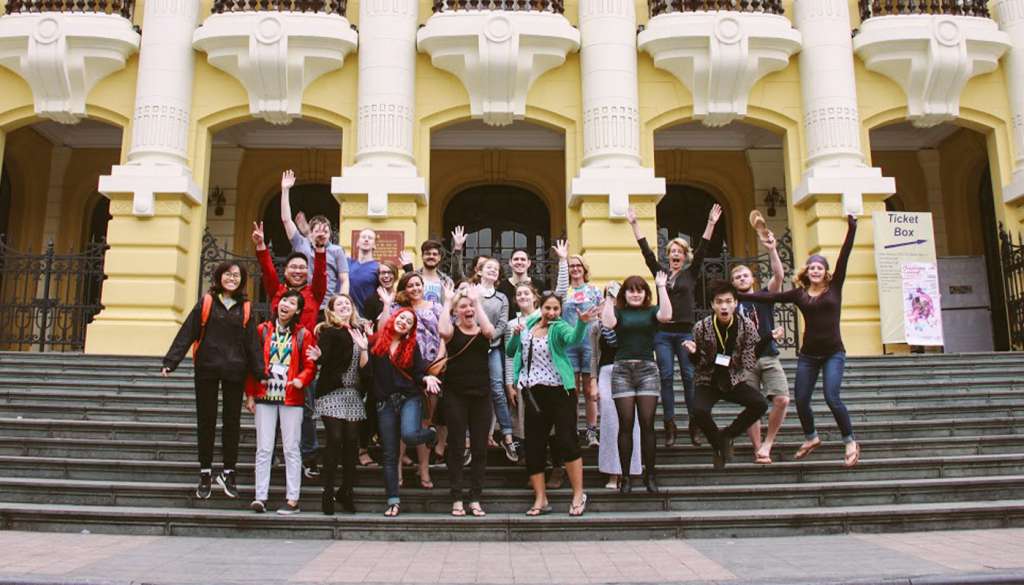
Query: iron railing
[668,6]
[125,8]
[719,268]
[213,254]
[326,6]
[553,6]
[870,8]
[1011,256]
[47,299]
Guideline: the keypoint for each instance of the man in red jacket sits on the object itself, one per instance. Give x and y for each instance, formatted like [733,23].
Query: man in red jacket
[296,277]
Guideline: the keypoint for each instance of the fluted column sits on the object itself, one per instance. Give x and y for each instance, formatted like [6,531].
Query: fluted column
[384,136]
[1010,16]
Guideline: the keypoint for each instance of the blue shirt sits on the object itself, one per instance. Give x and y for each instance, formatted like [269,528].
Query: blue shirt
[337,263]
[762,315]
[362,281]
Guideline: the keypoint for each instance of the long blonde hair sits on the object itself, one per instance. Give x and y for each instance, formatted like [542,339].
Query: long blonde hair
[331,319]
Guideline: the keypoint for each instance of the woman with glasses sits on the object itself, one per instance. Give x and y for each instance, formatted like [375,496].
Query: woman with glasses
[387,278]
[580,298]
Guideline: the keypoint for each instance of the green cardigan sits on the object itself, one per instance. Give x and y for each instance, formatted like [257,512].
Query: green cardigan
[561,335]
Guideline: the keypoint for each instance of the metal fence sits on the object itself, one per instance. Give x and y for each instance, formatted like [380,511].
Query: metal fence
[48,299]
[1011,256]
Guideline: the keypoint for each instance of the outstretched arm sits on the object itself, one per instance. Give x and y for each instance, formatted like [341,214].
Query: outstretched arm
[839,276]
[778,270]
[290,229]
[650,259]
[664,314]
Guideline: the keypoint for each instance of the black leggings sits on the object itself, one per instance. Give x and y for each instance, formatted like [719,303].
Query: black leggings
[368,427]
[546,407]
[472,412]
[207,390]
[343,440]
[628,407]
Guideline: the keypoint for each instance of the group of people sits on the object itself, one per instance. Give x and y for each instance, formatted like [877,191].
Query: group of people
[437,361]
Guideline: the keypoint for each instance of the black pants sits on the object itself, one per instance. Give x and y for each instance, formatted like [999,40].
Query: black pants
[342,443]
[705,398]
[548,406]
[207,390]
[472,412]
[368,427]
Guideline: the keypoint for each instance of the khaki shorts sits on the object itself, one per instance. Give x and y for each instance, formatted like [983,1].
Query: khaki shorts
[769,377]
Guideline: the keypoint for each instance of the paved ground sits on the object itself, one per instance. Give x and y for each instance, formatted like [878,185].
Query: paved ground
[977,556]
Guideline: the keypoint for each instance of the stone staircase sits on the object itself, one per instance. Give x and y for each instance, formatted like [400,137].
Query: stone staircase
[104,444]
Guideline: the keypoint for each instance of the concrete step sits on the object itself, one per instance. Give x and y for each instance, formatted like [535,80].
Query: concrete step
[514,527]
[820,469]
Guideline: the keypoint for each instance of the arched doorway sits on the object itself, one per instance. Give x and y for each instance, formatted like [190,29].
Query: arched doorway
[311,200]
[5,203]
[99,218]
[498,219]
[683,212]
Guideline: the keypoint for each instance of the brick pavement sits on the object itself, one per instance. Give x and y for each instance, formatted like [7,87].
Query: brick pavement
[68,559]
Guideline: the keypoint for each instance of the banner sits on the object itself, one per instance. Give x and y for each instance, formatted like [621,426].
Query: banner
[901,238]
[389,244]
[922,310]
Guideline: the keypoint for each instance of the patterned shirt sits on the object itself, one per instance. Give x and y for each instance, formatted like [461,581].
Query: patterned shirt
[278,363]
[540,367]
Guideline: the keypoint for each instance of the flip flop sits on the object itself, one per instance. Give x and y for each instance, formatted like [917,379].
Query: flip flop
[806,450]
[458,511]
[763,459]
[392,510]
[758,223]
[577,510]
[539,511]
[476,510]
[851,459]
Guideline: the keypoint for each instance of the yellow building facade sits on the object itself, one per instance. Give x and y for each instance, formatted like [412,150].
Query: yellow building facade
[411,115]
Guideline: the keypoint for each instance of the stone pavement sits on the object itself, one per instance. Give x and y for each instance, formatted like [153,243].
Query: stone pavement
[974,556]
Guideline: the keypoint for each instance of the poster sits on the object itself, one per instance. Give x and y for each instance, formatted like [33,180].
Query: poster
[389,244]
[922,310]
[900,238]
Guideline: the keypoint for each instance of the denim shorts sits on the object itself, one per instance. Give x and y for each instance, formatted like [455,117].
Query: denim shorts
[579,356]
[635,378]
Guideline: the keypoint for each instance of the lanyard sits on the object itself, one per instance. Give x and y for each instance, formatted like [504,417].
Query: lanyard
[719,333]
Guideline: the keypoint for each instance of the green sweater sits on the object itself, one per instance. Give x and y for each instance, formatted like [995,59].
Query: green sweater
[561,335]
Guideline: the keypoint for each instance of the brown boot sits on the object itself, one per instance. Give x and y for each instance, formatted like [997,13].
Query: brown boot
[695,435]
[670,433]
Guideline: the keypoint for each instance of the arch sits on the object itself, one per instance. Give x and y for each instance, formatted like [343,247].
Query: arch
[310,198]
[95,229]
[683,212]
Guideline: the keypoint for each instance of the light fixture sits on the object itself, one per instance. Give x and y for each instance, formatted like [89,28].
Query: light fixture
[772,199]
[217,200]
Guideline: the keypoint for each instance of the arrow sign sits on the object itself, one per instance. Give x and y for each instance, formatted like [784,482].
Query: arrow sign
[901,244]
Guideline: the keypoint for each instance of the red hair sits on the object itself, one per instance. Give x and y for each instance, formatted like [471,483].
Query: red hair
[382,341]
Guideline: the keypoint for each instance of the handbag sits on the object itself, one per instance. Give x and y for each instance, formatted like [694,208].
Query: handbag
[440,363]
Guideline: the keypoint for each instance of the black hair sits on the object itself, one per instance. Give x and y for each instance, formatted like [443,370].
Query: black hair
[295,255]
[523,250]
[217,288]
[633,283]
[721,287]
[549,295]
[298,308]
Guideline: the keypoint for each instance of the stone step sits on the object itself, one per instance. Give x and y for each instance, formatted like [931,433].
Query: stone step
[149,450]
[515,527]
[688,498]
[819,469]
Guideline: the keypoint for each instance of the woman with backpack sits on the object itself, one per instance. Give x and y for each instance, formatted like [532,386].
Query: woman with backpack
[225,350]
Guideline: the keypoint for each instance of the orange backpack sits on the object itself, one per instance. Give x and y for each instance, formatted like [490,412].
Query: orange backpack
[205,316]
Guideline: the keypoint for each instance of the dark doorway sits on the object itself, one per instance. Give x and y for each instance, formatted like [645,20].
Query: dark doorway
[990,233]
[498,219]
[5,204]
[311,200]
[683,212]
[99,219]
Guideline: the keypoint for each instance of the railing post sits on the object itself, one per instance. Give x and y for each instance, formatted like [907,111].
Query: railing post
[45,312]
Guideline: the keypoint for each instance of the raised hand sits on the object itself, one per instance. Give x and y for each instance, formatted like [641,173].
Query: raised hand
[561,249]
[386,298]
[660,279]
[690,346]
[301,224]
[631,215]
[359,338]
[518,326]
[458,237]
[320,235]
[287,180]
[769,240]
[433,384]
[404,257]
[473,292]
[449,293]
[257,235]
[588,315]
[313,353]
[714,214]
[779,333]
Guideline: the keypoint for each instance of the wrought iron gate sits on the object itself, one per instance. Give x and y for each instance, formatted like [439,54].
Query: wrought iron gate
[46,300]
[213,254]
[1012,258]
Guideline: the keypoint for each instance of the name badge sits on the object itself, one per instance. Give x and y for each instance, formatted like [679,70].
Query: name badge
[723,360]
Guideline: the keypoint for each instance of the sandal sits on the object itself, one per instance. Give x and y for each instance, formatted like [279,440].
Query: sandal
[762,459]
[852,458]
[806,449]
[365,460]
[535,511]
[476,510]
[458,510]
[580,508]
[392,510]
[426,484]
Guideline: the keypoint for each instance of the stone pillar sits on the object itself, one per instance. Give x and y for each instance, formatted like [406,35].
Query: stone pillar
[386,110]
[156,231]
[931,165]
[59,159]
[1010,16]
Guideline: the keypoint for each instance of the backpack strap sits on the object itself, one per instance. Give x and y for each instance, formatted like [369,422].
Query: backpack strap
[246,313]
[204,317]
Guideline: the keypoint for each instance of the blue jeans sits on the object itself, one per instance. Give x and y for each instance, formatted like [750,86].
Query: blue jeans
[668,347]
[309,446]
[496,367]
[399,419]
[807,369]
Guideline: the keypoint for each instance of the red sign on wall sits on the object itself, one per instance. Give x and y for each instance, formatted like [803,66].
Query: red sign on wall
[389,244]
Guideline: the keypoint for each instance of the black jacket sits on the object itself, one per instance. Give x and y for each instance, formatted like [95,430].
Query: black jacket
[386,379]
[229,351]
[335,358]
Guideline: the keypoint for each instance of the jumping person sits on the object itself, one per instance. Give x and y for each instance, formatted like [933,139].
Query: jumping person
[635,382]
[398,374]
[339,398]
[723,351]
[280,398]
[542,369]
[768,376]
[819,296]
[581,297]
[495,305]
[222,335]
[467,385]
[682,281]
[319,232]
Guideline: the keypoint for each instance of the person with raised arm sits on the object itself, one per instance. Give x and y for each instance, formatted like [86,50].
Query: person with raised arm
[319,232]
[819,296]
[495,305]
[582,296]
[682,281]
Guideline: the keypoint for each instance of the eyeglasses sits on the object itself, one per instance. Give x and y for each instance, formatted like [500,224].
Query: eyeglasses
[232,275]
[575,266]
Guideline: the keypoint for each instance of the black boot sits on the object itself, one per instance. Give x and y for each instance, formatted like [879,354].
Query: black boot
[327,503]
[344,497]
[625,485]
[650,482]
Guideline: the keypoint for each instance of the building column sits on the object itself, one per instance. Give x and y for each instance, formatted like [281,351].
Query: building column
[384,162]
[155,235]
[837,179]
[55,193]
[611,171]
[1010,16]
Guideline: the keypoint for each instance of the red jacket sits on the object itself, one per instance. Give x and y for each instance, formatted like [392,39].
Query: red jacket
[300,368]
[313,294]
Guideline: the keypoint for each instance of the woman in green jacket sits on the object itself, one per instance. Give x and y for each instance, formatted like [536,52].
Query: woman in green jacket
[546,378]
